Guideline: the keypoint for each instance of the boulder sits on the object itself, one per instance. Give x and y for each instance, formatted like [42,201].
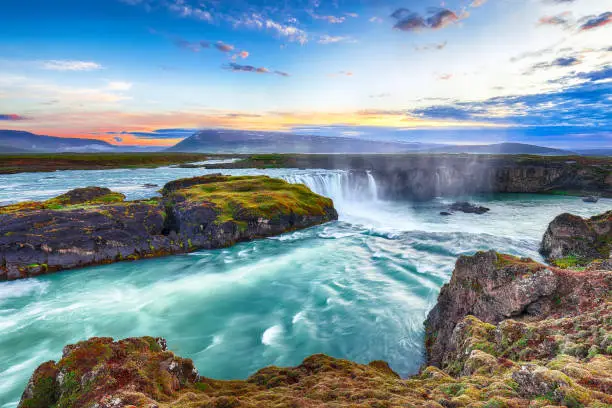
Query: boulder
[575,241]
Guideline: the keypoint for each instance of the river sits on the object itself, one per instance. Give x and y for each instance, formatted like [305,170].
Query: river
[358,288]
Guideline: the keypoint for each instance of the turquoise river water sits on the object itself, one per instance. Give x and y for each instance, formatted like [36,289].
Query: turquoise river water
[358,288]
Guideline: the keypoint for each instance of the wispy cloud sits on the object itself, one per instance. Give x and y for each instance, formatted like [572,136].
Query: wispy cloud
[438,18]
[11,117]
[560,62]
[70,65]
[119,86]
[426,47]
[563,19]
[592,22]
[221,46]
[329,39]
[235,67]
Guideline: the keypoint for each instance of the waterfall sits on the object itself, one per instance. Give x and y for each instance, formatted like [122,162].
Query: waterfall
[340,186]
[372,187]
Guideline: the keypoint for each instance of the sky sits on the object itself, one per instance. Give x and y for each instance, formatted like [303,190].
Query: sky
[150,72]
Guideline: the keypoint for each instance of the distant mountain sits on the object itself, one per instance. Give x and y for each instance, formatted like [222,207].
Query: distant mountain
[502,148]
[595,152]
[242,141]
[15,141]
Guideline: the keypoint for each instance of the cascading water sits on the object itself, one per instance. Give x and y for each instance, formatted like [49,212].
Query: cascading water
[340,186]
[372,187]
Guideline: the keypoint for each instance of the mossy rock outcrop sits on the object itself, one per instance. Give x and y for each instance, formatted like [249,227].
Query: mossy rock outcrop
[93,225]
[572,241]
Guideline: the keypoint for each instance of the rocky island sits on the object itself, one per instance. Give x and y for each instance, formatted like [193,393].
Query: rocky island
[506,332]
[92,226]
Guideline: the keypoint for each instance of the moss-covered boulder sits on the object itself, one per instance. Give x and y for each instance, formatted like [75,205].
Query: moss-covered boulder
[571,241]
[94,225]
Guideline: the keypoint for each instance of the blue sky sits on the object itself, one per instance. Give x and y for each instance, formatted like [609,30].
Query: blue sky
[457,71]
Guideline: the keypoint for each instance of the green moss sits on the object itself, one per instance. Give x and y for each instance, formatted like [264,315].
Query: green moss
[453,390]
[60,203]
[495,403]
[567,263]
[242,198]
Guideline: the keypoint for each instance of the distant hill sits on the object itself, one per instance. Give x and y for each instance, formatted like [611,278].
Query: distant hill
[242,141]
[16,141]
[595,152]
[502,148]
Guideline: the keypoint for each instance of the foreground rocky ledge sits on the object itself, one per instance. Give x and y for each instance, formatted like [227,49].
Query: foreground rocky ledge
[506,332]
[94,225]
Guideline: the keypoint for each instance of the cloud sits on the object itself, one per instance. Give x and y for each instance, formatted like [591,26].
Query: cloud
[563,19]
[329,19]
[328,39]
[560,62]
[380,95]
[375,20]
[445,77]
[221,46]
[11,117]
[426,47]
[119,86]
[232,66]
[186,45]
[438,18]
[69,65]
[177,133]
[591,22]
[584,104]
[341,73]
[241,54]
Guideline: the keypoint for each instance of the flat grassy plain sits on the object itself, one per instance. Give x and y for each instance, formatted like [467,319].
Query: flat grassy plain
[20,163]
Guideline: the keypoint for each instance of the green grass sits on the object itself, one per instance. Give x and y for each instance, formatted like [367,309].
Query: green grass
[569,262]
[242,198]
[19,163]
[61,202]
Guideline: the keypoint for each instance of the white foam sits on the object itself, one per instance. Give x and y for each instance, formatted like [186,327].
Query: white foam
[272,335]
[298,316]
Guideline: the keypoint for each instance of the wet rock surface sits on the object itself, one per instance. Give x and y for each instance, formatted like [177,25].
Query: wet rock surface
[94,225]
[468,208]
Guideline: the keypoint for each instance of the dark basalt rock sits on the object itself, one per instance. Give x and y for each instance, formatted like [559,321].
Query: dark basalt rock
[79,229]
[469,208]
[578,241]
[84,195]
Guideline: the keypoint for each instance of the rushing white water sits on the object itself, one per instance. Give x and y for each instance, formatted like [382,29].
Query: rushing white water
[358,288]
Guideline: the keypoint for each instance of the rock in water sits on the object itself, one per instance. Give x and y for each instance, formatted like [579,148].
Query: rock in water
[94,225]
[571,240]
[469,208]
